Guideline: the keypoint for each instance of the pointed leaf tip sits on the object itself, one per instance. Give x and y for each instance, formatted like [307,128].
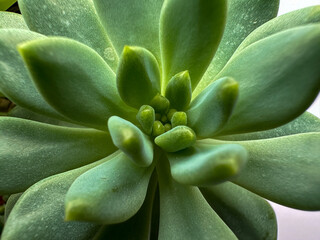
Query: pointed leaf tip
[179,91]
[131,140]
[176,139]
[138,76]
[211,110]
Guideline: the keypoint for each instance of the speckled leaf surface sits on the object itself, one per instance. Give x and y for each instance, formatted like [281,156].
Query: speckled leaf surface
[243,17]
[12,20]
[83,82]
[249,216]
[110,193]
[275,90]
[15,81]
[74,19]
[39,213]
[37,150]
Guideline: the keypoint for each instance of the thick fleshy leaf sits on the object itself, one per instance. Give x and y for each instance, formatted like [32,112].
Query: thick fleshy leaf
[137,227]
[277,83]
[190,32]
[242,18]
[5,4]
[138,76]
[249,216]
[303,124]
[178,91]
[176,139]
[12,200]
[136,24]
[15,82]
[184,212]
[75,80]
[39,213]
[284,170]
[211,110]
[207,165]
[20,112]
[74,19]
[290,20]
[146,118]
[31,151]
[12,20]
[110,193]
[131,140]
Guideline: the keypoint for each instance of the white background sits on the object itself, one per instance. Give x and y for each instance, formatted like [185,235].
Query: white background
[295,224]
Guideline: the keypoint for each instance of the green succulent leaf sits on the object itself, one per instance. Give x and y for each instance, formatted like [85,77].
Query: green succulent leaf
[12,20]
[146,118]
[138,76]
[5,4]
[210,110]
[131,140]
[137,227]
[176,139]
[39,213]
[184,212]
[136,25]
[284,169]
[206,165]
[75,80]
[12,200]
[303,124]
[31,151]
[15,81]
[243,17]
[249,216]
[110,193]
[75,19]
[277,83]
[190,32]
[290,20]
[178,91]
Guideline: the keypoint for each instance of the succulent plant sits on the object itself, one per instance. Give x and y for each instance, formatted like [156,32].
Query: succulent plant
[157,119]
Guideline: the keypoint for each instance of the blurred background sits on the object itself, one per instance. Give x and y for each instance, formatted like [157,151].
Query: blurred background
[296,224]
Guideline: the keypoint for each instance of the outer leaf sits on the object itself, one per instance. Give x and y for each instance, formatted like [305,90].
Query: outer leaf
[284,170]
[137,227]
[137,25]
[5,4]
[110,193]
[290,20]
[138,76]
[184,212]
[207,165]
[210,111]
[12,200]
[31,151]
[74,79]
[249,216]
[303,124]
[74,19]
[39,212]
[190,32]
[242,18]
[12,20]
[131,140]
[15,82]
[277,82]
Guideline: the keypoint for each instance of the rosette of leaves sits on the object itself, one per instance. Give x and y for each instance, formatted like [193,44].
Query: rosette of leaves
[157,119]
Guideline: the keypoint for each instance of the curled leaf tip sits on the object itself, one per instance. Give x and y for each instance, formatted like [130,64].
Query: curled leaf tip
[176,139]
